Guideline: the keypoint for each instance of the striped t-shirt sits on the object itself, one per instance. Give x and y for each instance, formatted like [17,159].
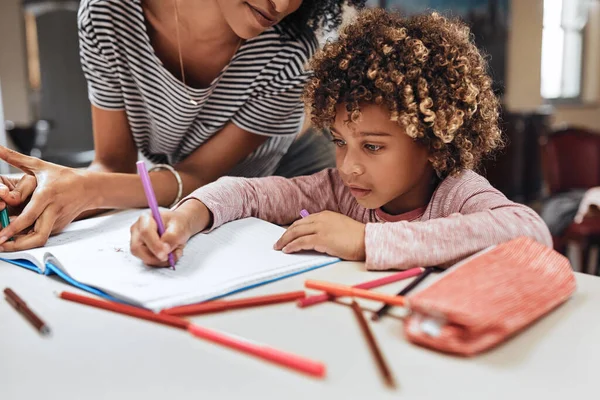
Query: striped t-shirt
[259,91]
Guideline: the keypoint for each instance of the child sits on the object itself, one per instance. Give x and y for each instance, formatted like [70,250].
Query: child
[411,111]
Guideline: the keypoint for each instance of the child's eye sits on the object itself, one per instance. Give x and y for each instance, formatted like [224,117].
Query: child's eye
[338,142]
[373,147]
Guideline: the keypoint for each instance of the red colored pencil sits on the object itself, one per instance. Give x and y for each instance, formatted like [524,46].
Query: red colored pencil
[224,305]
[320,298]
[126,310]
[279,357]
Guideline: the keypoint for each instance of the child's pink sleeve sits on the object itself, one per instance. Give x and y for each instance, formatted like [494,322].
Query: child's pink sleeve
[274,199]
[469,220]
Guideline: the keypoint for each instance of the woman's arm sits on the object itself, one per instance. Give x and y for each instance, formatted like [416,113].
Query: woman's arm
[113,169]
[62,193]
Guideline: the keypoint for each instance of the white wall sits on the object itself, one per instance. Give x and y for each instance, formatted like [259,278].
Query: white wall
[524,69]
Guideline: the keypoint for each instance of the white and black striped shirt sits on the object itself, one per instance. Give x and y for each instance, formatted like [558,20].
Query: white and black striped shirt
[259,90]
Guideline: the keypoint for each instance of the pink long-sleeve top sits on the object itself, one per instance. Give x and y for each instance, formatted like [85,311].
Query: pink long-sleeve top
[465,214]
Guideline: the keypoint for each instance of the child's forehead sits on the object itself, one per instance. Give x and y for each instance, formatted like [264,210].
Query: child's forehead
[371,118]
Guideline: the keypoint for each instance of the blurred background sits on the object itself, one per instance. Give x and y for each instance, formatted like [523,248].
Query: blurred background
[544,57]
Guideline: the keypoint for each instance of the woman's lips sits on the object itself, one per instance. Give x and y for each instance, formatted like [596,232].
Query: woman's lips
[261,18]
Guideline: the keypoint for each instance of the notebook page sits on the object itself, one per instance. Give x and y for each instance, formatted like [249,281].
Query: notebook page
[232,257]
[74,232]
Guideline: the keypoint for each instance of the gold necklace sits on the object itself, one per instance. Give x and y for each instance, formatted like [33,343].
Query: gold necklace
[182,69]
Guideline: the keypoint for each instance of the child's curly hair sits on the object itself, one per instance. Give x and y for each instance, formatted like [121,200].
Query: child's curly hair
[425,70]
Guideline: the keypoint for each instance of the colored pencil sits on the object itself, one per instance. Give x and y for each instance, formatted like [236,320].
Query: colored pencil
[364,326]
[385,308]
[292,361]
[21,307]
[126,310]
[224,305]
[343,290]
[320,298]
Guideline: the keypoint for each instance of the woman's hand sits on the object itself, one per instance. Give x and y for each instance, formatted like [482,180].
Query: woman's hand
[14,192]
[187,220]
[326,232]
[58,195]
[590,204]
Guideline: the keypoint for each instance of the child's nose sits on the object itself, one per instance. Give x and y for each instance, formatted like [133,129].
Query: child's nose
[350,165]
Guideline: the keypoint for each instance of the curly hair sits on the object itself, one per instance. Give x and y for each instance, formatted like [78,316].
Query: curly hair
[316,14]
[425,70]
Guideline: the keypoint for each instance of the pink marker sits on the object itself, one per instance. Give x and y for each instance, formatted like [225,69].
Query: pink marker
[147,184]
[304,213]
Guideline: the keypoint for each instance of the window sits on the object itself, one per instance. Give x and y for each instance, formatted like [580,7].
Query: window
[562,48]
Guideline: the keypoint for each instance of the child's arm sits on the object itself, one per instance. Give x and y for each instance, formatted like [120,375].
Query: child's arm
[274,199]
[477,219]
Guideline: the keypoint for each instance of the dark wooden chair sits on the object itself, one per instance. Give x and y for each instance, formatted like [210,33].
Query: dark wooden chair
[571,160]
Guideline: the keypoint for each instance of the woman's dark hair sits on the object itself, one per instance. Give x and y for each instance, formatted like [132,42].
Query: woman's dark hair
[315,14]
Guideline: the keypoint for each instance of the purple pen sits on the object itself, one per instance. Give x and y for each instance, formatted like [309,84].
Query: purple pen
[152,203]
[304,213]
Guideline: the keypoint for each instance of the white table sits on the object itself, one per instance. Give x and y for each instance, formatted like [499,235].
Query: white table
[94,354]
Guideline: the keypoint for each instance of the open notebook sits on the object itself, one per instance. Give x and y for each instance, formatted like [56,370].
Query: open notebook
[94,255]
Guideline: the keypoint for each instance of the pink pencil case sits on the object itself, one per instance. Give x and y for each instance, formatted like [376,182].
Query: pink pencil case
[489,297]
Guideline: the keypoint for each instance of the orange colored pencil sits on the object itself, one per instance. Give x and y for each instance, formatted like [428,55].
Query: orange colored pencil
[126,310]
[224,305]
[320,298]
[343,290]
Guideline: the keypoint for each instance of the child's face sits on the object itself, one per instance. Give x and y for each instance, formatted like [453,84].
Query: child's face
[382,166]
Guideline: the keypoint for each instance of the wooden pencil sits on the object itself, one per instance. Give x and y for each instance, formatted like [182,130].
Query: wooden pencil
[126,310]
[224,305]
[381,364]
[320,298]
[343,290]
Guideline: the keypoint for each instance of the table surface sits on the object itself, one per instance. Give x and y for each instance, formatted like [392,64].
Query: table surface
[94,354]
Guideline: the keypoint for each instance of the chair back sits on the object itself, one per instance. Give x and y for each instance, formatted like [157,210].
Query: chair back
[571,160]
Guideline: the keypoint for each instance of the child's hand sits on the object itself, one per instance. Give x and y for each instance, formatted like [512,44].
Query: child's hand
[187,220]
[326,232]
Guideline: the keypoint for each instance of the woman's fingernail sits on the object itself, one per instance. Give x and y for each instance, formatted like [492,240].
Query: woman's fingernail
[3,239]
[285,249]
[1,249]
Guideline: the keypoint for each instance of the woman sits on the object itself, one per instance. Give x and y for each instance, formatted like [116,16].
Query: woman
[201,88]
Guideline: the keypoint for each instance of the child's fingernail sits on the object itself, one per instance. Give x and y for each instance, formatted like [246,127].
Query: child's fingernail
[179,254]
[162,256]
[285,249]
